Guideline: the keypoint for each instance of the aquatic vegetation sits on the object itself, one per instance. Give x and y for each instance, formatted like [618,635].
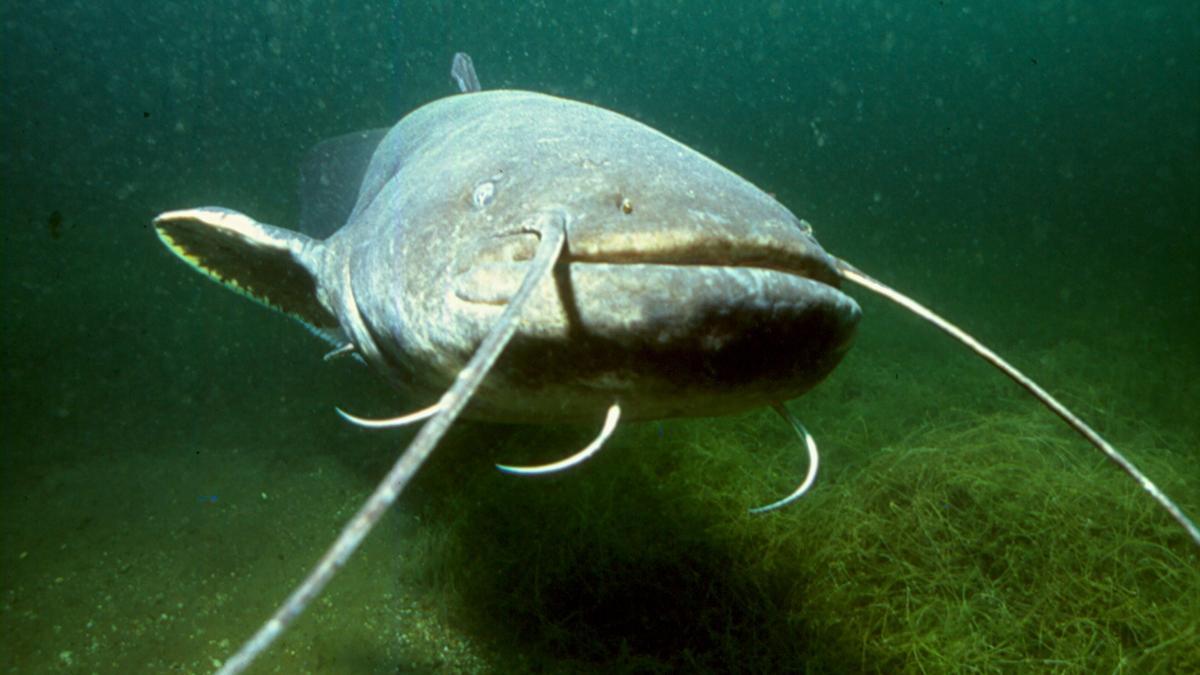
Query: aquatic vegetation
[994,554]
[989,545]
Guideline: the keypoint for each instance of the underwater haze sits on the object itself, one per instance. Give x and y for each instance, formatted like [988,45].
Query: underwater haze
[172,465]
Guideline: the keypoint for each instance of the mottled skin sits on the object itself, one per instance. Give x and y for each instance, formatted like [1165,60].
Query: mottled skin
[685,290]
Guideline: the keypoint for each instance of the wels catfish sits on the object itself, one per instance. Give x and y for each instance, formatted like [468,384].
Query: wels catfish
[518,257]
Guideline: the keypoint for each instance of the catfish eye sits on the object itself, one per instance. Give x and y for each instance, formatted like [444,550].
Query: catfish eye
[484,194]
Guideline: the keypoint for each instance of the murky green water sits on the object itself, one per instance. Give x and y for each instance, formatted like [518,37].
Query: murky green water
[172,464]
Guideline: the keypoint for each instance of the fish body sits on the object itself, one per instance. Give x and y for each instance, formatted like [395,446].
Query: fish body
[519,257]
[684,290]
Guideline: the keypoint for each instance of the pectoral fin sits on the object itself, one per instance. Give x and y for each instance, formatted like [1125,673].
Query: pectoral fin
[267,264]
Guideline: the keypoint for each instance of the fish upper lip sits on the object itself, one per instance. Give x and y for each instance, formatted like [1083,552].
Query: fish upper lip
[801,267]
[773,245]
[798,254]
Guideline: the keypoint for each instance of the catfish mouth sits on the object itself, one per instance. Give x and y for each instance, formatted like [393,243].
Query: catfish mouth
[711,294]
[669,322]
[491,271]
[775,246]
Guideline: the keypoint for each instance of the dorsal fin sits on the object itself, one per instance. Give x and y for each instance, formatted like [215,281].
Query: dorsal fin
[462,69]
[333,170]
